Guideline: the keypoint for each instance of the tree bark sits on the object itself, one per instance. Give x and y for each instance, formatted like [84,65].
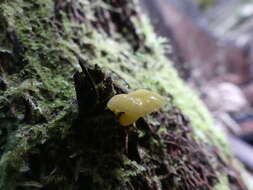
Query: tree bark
[60,62]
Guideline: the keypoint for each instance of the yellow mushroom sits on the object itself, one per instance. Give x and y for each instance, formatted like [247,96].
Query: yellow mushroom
[135,105]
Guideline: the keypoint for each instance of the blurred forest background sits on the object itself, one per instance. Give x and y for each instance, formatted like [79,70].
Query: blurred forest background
[213,52]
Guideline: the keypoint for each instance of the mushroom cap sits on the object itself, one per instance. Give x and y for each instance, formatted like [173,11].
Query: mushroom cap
[151,101]
[135,105]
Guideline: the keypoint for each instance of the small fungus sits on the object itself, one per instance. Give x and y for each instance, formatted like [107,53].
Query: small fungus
[134,105]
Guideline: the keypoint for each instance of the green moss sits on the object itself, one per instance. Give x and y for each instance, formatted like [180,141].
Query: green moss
[223,183]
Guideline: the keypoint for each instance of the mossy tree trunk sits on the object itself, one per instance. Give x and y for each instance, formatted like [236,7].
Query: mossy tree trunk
[60,62]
